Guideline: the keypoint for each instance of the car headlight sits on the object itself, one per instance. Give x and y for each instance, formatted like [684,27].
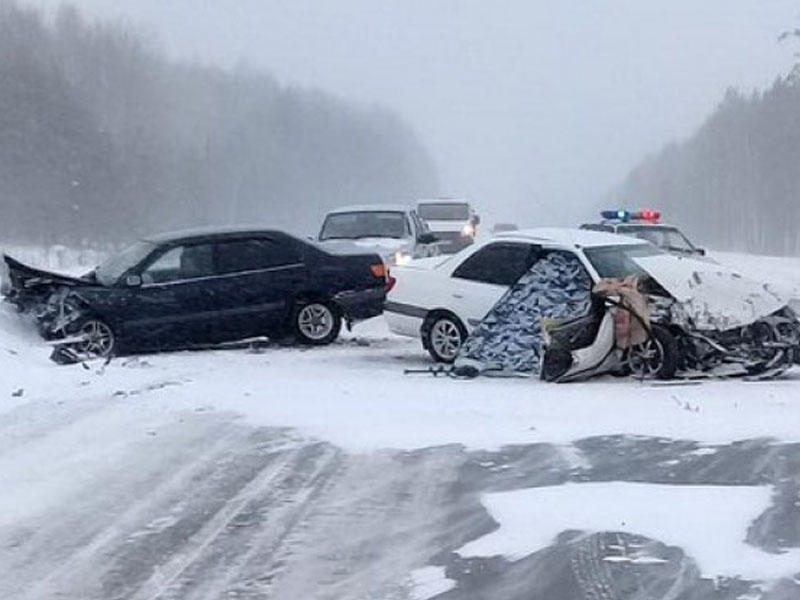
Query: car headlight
[468,230]
[402,258]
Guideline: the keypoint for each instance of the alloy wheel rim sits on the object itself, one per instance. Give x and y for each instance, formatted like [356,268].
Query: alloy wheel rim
[646,359]
[98,338]
[315,321]
[445,339]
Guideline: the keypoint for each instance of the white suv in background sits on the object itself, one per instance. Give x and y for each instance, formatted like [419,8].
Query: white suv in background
[453,222]
[395,232]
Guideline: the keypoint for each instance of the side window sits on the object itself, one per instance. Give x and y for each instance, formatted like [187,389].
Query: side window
[499,263]
[181,263]
[254,255]
[420,225]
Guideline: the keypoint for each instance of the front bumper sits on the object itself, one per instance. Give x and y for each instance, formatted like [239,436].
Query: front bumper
[358,305]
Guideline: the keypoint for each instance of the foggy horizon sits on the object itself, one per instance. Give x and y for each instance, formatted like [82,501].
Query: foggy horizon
[524,109]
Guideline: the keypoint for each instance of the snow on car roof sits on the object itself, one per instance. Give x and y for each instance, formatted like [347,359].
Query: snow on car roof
[370,208]
[571,237]
[442,201]
[185,234]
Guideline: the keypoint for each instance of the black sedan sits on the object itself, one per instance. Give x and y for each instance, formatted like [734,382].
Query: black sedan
[197,288]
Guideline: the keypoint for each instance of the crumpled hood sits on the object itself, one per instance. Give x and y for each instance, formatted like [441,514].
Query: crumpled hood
[386,247]
[23,276]
[713,296]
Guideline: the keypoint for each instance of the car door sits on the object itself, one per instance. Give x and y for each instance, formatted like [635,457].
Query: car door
[259,279]
[175,302]
[421,228]
[483,277]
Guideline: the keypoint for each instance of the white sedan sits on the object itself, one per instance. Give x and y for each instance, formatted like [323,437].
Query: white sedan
[442,299]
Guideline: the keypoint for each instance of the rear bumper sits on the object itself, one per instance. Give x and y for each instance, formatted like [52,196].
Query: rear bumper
[404,320]
[361,304]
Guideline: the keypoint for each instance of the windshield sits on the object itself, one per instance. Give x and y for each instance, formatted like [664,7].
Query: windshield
[364,224]
[445,211]
[112,269]
[619,261]
[668,238]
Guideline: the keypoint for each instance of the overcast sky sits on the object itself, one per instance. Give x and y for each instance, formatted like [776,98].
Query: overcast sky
[532,108]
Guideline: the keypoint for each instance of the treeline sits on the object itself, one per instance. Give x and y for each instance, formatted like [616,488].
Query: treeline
[735,184]
[102,137]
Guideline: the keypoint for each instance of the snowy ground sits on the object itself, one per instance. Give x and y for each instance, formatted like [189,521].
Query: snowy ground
[329,473]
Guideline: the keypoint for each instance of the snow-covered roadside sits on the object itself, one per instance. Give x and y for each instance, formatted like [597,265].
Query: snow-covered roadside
[781,271]
[678,515]
[355,395]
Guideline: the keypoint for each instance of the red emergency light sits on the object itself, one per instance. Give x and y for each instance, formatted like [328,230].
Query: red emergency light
[648,214]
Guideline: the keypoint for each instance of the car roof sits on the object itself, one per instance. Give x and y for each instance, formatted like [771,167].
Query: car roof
[634,223]
[371,208]
[442,201]
[570,237]
[646,224]
[208,232]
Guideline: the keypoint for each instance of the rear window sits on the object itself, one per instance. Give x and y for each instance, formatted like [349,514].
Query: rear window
[444,211]
[499,264]
[254,255]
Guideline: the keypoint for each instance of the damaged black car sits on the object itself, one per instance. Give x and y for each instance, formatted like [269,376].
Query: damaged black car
[197,288]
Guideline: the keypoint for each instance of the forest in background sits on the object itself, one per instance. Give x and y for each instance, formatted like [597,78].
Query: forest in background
[102,138]
[735,183]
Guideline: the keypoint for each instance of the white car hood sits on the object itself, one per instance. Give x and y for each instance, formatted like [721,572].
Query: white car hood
[426,264]
[386,247]
[713,296]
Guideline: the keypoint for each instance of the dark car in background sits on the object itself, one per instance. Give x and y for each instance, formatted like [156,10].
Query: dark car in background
[203,287]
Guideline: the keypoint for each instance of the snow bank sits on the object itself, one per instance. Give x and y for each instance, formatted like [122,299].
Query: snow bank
[429,582]
[708,522]
[354,394]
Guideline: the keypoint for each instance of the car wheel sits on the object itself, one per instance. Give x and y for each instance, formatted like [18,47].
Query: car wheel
[443,336]
[316,323]
[657,357]
[98,341]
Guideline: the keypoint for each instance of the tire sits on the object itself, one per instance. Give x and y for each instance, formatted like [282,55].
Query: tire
[443,335]
[316,323]
[101,340]
[657,358]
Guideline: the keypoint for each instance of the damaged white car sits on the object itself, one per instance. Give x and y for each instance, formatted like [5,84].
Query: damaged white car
[590,303]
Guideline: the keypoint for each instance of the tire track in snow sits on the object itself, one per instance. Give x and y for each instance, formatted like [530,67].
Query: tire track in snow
[245,555]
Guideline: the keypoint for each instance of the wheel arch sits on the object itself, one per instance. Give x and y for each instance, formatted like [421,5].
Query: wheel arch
[430,318]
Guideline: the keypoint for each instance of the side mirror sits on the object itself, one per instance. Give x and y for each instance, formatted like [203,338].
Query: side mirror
[133,281]
[427,238]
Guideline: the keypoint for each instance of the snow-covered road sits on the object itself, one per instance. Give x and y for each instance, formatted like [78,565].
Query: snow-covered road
[328,473]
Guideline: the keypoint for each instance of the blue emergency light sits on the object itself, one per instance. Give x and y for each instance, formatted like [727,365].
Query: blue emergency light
[647,214]
[617,215]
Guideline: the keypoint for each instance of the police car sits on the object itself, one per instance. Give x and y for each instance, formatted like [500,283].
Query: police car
[646,225]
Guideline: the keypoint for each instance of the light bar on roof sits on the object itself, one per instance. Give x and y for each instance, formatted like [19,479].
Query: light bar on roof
[616,215]
[646,214]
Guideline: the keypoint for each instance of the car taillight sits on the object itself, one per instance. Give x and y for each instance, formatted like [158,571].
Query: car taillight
[378,269]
